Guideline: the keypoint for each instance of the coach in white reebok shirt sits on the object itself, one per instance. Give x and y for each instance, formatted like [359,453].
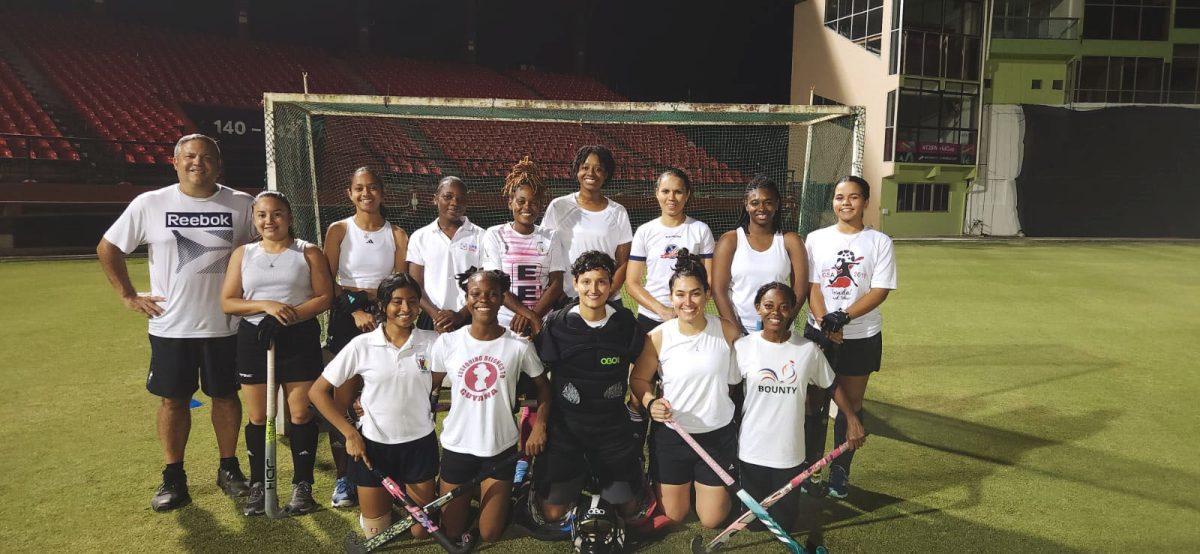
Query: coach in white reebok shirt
[191,228]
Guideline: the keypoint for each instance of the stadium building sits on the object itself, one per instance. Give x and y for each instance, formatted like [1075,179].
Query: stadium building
[955,88]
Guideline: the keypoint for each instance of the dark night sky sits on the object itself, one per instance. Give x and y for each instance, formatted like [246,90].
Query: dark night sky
[703,51]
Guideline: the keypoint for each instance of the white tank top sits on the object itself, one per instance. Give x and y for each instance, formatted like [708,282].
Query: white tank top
[752,269]
[366,256]
[283,277]
[696,374]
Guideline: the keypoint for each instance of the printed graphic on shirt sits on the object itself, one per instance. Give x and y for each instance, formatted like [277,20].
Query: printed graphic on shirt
[479,376]
[782,381]
[217,224]
[844,275]
[422,363]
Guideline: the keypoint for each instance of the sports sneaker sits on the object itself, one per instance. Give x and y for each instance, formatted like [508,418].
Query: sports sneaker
[170,495]
[233,483]
[839,482]
[302,500]
[256,504]
[812,485]
[344,494]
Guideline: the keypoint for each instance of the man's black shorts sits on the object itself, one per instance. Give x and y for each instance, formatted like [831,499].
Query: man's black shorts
[179,367]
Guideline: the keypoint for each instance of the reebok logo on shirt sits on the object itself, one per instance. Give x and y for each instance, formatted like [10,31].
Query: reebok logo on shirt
[192,220]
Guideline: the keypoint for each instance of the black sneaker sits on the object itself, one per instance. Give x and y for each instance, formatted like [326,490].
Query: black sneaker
[232,482]
[302,500]
[170,495]
[256,503]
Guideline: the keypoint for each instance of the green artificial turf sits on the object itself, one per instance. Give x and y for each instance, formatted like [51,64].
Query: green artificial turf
[1034,397]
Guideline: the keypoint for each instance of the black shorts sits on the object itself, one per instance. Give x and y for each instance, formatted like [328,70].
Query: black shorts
[341,330]
[859,357]
[606,454]
[408,462]
[297,354]
[762,481]
[646,324]
[178,367]
[460,468]
[675,463]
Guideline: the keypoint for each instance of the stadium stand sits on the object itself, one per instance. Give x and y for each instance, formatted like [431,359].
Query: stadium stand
[20,114]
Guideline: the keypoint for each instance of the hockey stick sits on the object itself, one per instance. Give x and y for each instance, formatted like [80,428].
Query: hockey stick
[767,502]
[741,493]
[420,515]
[399,528]
[270,491]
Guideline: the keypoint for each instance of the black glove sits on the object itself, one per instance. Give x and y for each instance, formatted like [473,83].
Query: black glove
[350,301]
[834,321]
[268,329]
[816,335]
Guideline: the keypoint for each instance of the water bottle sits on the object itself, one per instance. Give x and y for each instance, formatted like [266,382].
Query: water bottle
[522,470]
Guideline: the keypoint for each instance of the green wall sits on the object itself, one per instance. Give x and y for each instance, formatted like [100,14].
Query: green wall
[1012,81]
[924,224]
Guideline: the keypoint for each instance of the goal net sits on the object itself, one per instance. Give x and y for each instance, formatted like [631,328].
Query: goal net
[315,142]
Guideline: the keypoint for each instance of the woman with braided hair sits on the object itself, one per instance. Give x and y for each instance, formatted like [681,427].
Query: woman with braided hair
[482,362]
[693,354]
[531,254]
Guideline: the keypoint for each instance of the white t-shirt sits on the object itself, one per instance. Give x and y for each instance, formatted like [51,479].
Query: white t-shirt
[397,383]
[582,230]
[777,376]
[527,259]
[658,246]
[443,259]
[283,277]
[847,268]
[482,377]
[696,372]
[190,241]
[608,313]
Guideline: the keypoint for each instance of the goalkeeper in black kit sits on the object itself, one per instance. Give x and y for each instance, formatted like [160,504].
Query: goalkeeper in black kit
[589,348]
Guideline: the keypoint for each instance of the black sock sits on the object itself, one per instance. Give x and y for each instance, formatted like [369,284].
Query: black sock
[256,439]
[229,464]
[337,448]
[174,473]
[839,437]
[816,430]
[304,451]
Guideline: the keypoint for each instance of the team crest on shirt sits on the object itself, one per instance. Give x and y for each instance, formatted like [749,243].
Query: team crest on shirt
[422,363]
[479,377]
[468,247]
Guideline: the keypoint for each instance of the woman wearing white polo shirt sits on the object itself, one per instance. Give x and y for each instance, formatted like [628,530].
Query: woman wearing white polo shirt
[397,435]
[657,242]
[588,220]
[438,252]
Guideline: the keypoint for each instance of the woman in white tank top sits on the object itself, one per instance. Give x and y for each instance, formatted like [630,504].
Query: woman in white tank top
[693,354]
[757,252]
[361,251]
[279,285]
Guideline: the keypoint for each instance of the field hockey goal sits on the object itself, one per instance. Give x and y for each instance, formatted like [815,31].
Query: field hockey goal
[315,142]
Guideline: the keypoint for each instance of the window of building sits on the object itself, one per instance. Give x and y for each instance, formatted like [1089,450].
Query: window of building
[858,20]
[1187,14]
[1040,19]
[1185,75]
[818,100]
[1126,19]
[889,129]
[1120,80]
[922,197]
[1056,84]
[941,38]
[936,124]
[1036,84]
